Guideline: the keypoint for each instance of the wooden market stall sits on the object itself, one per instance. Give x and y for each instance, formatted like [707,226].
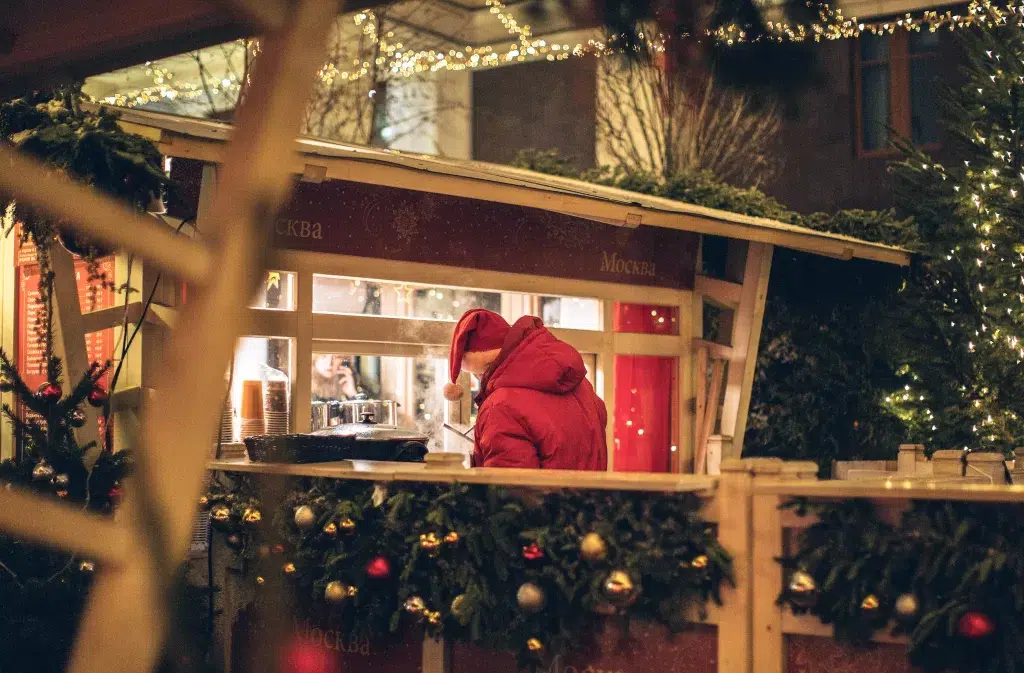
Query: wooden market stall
[623,277]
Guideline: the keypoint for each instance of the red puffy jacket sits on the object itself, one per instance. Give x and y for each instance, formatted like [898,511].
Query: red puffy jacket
[537,408]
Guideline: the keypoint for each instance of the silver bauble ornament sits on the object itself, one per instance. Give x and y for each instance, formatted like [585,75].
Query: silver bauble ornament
[531,598]
[305,517]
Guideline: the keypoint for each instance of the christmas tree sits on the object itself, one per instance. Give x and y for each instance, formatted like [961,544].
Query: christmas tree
[963,386]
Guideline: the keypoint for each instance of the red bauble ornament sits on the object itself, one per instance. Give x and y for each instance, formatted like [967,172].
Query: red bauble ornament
[50,392]
[533,552]
[975,625]
[97,397]
[379,568]
[303,655]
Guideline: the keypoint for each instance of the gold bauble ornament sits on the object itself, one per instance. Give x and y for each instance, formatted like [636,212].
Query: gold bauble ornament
[619,589]
[42,472]
[593,548]
[305,517]
[260,581]
[700,562]
[288,569]
[459,609]
[251,515]
[531,598]
[452,538]
[907,607]
[414,605]
[335,592]
[348,526]
[870,603]
[429,543]
[204,501]
[220,513]
[331,529]
[62,480]
[802,590]
[433,617]
[87,567]
[534,645]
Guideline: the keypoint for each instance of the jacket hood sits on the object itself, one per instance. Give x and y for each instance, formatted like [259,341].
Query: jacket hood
[533,358]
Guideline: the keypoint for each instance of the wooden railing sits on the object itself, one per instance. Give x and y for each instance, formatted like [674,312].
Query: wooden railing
[753,632]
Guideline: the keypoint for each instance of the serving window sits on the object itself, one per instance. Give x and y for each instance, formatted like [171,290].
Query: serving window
[385,335]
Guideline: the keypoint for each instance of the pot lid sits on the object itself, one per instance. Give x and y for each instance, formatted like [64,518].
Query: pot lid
[372,432]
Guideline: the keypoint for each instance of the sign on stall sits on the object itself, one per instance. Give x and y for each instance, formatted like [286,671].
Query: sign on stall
[92,296]
[363,220]
[648,648]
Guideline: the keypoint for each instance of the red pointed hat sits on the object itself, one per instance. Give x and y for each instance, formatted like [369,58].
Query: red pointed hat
[477,330]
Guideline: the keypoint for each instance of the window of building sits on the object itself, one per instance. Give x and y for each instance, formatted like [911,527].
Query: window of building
[360,296]
[895,80]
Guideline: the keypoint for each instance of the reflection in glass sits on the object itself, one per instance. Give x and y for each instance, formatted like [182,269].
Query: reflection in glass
[414,383]
[875,106]
[357,296]
[276,292]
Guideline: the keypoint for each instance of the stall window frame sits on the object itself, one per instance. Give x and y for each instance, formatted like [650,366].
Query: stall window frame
[381,335]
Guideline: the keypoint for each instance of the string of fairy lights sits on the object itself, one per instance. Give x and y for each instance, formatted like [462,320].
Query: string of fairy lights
[982,190]
[395,59]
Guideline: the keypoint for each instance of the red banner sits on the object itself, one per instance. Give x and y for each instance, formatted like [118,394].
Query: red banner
[92,296]
[810,654]
[399,224]
[648,648]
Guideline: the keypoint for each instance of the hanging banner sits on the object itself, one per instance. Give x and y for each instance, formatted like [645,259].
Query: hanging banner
[92,296]
[386,223]
[649,648]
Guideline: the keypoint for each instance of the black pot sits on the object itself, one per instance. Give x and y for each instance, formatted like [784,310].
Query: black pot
[350,441]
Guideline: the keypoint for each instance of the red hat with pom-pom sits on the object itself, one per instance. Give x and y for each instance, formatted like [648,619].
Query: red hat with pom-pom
[477,330]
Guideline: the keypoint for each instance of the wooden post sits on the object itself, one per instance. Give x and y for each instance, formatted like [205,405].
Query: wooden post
[767,545]
[606,370]
[746,333]
[437,655]
[8,313]
[69,341]
[735,646]
[302,377]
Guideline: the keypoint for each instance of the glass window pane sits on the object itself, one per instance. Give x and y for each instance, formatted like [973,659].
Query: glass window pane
[874,47]
[645,391]
[875,106]
[924,41]
[924,122]
[357,296]
[646,319]
[261,385]
[414,383]
[571,312]
[277,292]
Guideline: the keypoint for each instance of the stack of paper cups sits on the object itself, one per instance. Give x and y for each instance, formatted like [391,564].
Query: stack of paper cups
[275,407]
[252,409]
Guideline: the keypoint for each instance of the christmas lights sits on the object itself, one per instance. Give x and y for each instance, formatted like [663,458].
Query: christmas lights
[402,61]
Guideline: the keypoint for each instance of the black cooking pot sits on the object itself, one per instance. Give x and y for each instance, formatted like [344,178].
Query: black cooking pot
[350,441]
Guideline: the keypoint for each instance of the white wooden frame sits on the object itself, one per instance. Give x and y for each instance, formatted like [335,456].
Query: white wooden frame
[379,335]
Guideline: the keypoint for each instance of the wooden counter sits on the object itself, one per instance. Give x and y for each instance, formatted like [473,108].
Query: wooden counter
[428,472]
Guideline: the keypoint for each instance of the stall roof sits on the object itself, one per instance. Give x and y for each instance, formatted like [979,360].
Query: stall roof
[319,159]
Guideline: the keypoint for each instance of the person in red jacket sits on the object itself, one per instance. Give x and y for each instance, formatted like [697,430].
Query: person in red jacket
[536,406]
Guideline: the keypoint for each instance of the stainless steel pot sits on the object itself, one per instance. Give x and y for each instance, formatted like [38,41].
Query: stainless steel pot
[325,415]
[382,412]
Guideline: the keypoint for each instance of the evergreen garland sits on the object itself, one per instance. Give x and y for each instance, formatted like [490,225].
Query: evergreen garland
[464,552]
[959,564]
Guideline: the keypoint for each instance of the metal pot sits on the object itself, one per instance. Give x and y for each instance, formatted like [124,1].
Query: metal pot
[367,440]
[383,412]
[325,415]
[349,441]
